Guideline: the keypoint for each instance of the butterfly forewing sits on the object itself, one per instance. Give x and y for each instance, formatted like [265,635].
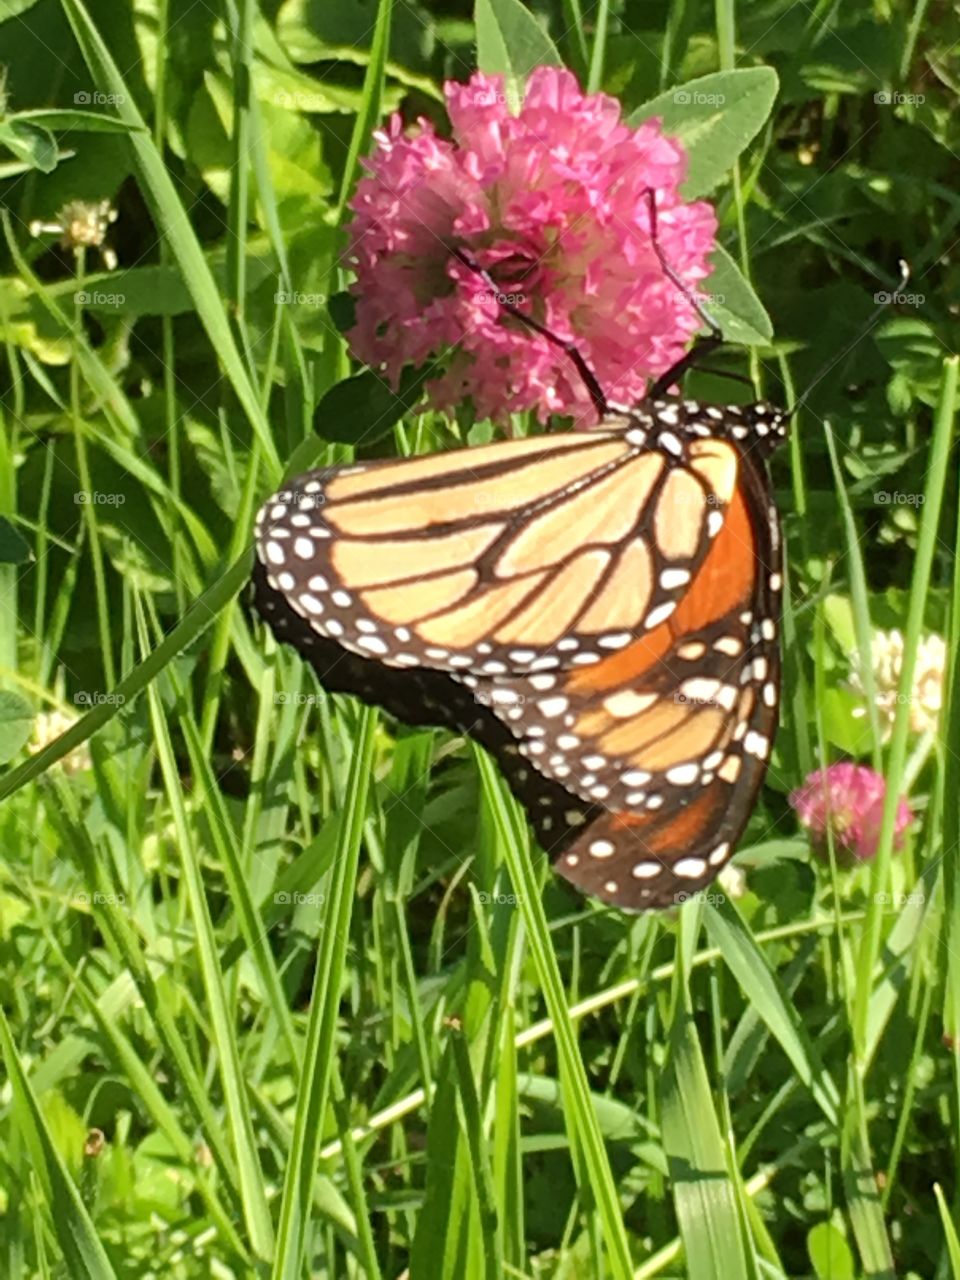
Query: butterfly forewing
[598,609]
[525,555]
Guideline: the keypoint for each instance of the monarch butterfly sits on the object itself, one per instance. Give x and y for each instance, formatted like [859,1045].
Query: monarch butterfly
[599,609]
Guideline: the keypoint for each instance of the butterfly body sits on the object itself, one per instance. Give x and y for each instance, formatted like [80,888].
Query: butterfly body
[599,609]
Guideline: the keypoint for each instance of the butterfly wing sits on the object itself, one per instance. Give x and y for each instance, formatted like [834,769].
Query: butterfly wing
[423,696]
[525,555]
[679,779]
[598,610]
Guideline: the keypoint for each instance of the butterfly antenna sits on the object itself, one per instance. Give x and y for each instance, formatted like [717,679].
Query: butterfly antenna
[589,378]
[703,346]
[883,301]
[715,330]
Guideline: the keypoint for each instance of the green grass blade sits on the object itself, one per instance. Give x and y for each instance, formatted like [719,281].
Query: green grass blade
[579,1113]
[703,1193]
[749,966]
[372,107]
[321,1046]
[253,1190]
[82,1250]
[949,1230]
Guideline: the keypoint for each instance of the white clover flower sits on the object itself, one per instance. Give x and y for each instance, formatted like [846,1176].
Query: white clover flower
[48,726]
[886,659]
[82,224]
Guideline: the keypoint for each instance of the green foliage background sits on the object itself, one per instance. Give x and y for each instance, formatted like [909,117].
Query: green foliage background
[286,991]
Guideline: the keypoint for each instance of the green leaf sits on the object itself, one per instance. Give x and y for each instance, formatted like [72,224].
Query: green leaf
[79,121]
[11,8]
[317,31]
[829,1253]
[714,117]
[510,43]
[364,408]
[30,143]
[16,724]
[295,91]
[732,303]
[14,548]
